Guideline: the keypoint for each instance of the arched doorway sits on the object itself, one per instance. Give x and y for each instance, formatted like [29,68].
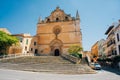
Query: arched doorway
[56,47]
[56,52]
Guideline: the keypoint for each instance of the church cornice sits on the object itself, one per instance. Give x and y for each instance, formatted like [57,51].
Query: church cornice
[56,21]
[60,33]
[58,15]
[62,43]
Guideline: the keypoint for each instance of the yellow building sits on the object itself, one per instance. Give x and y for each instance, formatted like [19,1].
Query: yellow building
[25,41]
[56,34]
[94,51]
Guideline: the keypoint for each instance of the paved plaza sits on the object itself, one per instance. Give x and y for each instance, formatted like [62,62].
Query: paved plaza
[6,74]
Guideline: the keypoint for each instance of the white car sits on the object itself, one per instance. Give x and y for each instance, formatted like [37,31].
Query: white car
[95,66]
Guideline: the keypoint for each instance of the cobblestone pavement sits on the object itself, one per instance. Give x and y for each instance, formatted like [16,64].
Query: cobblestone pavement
[6,74]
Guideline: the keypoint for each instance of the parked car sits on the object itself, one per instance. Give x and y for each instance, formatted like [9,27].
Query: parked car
[95,66]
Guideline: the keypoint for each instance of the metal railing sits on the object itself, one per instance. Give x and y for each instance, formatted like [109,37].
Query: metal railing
[10,56]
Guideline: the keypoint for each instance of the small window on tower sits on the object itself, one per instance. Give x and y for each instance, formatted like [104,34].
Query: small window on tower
[66,18]
[48,20]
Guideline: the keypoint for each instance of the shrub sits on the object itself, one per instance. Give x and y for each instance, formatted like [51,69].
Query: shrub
[74,51]
[116,59]
[80,56]
[109,59]
[101,59]
[6,41]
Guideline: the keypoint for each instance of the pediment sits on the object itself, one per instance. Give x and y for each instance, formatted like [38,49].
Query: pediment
[58,15]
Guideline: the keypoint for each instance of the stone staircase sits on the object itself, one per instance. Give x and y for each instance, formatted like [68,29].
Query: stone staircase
[38,60]
[46,64]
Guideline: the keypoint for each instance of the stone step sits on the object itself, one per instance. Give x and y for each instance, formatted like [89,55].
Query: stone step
[55,68]
[39,59]
[46,64]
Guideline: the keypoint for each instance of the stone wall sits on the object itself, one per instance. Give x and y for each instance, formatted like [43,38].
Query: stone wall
[71,58]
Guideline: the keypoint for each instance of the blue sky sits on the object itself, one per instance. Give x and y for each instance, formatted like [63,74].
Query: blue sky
[21,16]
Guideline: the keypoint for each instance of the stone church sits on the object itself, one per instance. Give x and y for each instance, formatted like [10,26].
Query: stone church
[56,33]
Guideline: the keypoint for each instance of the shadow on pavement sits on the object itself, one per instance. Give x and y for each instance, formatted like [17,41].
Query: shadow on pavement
[116,71]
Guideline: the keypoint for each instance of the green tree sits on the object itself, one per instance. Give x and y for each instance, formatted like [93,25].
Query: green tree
[6,41]
[75,51]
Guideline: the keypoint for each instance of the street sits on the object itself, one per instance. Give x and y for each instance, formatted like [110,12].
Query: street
[6,74]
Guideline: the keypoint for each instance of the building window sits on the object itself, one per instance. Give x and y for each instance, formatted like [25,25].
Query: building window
[26,48]
[36,51]
[57,31]
[119,49]
[118,37]
[31,49]
[20,39]
[34,43]
[115,52]
[114,42]
[26,41]
[110,43]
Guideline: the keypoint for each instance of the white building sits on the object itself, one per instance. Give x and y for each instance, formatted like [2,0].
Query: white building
[110,40]
[117,38]
[33,45]
[101,47]
[25,41]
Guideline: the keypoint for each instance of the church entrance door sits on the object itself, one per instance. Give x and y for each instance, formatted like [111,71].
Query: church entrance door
[57,52]
[56,47]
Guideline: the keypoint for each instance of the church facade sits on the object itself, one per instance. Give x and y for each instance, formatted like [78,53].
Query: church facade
[56,34]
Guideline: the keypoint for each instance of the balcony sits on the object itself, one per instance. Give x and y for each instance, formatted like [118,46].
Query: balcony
[111,42]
